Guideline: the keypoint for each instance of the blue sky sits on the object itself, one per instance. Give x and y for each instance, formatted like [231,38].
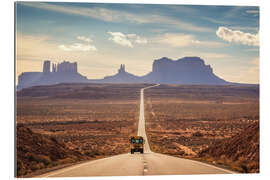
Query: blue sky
[100,37]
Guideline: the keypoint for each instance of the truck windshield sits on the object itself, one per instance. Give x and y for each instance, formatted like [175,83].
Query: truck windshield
[137,141]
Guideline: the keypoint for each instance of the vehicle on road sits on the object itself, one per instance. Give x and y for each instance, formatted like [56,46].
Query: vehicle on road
[136,144]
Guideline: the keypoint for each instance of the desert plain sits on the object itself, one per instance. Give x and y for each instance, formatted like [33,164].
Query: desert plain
[91,121]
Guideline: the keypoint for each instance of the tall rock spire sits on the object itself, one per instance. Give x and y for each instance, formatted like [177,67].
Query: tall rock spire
[46,67]
[122,68]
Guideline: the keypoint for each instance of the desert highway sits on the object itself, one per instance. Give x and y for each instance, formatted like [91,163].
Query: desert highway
[149,163]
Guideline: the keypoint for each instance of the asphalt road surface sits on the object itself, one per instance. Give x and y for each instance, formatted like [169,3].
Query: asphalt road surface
[149,163]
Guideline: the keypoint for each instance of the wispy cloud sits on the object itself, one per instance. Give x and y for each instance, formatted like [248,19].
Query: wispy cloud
[126,39]
[184,40]
[86,39]
[120,38]
[137,39]
[77,47]
[64,48]
[238,36]
[110,15]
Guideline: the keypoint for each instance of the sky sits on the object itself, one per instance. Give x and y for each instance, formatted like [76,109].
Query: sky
[100,37]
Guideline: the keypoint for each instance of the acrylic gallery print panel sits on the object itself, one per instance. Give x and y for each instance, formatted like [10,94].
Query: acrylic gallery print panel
[136,89]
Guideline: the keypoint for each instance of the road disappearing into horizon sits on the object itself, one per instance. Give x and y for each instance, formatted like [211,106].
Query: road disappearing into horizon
[149,163]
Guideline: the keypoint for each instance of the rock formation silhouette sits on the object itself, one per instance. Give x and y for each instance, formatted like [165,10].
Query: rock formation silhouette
[64,72]
[187,70]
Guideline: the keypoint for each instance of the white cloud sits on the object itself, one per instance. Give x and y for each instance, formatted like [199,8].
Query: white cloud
[137,39]
[83,47]
[120,38]
[77,47]
[126,39]
[64,48]
[238,36]
[86,39]
[184,40]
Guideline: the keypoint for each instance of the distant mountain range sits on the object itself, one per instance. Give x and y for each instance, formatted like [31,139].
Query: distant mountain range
[187,70]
